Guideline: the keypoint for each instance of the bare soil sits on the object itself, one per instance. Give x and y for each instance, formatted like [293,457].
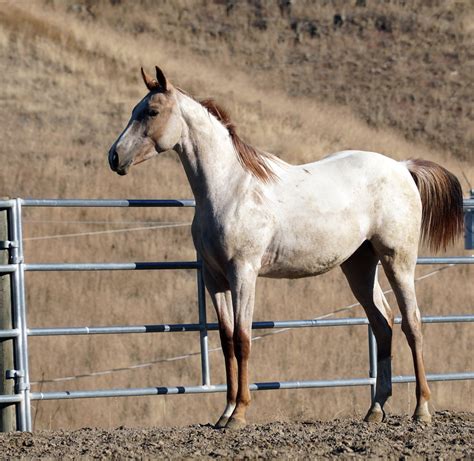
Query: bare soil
[449,436]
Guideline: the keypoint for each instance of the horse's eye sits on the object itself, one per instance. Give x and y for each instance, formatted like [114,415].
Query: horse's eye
[152,113]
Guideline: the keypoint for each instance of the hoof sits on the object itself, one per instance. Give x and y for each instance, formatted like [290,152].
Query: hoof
[222,422]
[422,418]
[235,424]
[422,413]
[375,415]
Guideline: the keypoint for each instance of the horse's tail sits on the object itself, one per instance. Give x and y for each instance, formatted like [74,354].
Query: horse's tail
[442,203]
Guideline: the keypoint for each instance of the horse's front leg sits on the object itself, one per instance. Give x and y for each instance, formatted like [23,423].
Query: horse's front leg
[242,284]
[222,300]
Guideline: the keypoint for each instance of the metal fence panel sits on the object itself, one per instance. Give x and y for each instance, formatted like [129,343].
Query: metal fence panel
[20,332]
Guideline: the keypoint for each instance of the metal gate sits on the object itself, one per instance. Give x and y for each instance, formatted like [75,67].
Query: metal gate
[14,325]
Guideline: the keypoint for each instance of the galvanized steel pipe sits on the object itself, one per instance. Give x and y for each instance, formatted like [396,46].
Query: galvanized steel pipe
[264,386]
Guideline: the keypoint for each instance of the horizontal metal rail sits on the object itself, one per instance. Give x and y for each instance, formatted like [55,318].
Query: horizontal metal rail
[264,386]
[7,204]
[137,203]
[447,260]
[7,268]
[126,203]
[171,265]
[186,327]
[12,333]
[14,398]
[138,266]
[113,330]
[468,203]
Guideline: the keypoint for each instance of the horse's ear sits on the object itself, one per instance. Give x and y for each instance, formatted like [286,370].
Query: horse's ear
[150,82]
[161,79]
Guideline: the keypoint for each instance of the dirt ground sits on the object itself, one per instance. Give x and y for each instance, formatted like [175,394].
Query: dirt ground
[449,436]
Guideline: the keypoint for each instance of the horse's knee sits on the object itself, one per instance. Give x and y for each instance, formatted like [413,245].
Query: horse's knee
[241,342]
[412,330]
[227,335]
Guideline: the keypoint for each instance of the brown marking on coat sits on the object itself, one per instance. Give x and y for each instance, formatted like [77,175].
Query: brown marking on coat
[257,197]
[155,84]
[161,101]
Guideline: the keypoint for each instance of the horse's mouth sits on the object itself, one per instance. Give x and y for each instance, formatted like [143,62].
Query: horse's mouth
[123,170]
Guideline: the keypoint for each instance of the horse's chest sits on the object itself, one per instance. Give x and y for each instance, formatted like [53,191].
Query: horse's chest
[220,241]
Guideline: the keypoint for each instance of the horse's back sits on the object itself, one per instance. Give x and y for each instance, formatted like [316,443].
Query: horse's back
[379,189]
[327,209]
[355,179]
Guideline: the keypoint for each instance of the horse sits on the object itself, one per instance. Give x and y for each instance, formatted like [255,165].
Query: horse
[257,215]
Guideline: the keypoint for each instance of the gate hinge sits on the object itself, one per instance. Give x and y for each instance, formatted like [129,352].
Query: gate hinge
[8,244]
[18,375]
[14,374]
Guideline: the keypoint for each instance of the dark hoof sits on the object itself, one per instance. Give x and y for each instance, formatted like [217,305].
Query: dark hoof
[375,416]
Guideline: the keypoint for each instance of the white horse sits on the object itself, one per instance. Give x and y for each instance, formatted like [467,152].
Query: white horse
[259,216]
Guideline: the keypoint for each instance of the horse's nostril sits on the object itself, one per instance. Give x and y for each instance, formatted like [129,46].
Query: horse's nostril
[114,160]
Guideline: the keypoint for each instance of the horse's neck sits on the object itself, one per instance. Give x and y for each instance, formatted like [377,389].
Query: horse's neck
[208,156]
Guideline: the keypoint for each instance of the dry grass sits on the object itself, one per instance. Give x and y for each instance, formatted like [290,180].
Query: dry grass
[70,80]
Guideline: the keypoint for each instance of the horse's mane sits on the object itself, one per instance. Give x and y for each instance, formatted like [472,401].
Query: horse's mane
[252,159]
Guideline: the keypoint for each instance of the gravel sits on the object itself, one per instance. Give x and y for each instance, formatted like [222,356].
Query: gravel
[449,436]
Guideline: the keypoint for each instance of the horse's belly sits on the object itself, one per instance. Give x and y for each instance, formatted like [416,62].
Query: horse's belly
[292,263]
[313,250]
[296,271]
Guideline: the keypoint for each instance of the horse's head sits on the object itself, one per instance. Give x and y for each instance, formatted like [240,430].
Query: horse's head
[154,126]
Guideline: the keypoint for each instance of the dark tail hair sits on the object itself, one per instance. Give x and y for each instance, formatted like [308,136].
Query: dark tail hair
[442,202]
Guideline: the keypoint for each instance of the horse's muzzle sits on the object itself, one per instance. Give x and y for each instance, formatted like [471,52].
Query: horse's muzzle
[114,163]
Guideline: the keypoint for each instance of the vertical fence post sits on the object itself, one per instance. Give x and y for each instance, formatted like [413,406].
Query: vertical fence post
[206,379]
[24,383]
[372,362]
[7,411]
[469,226]
[20,373]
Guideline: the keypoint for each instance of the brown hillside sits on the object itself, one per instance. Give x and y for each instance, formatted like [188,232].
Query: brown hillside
[403,65]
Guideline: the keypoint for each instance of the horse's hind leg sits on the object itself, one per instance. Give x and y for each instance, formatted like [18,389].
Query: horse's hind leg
[399,266]
[361,273]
